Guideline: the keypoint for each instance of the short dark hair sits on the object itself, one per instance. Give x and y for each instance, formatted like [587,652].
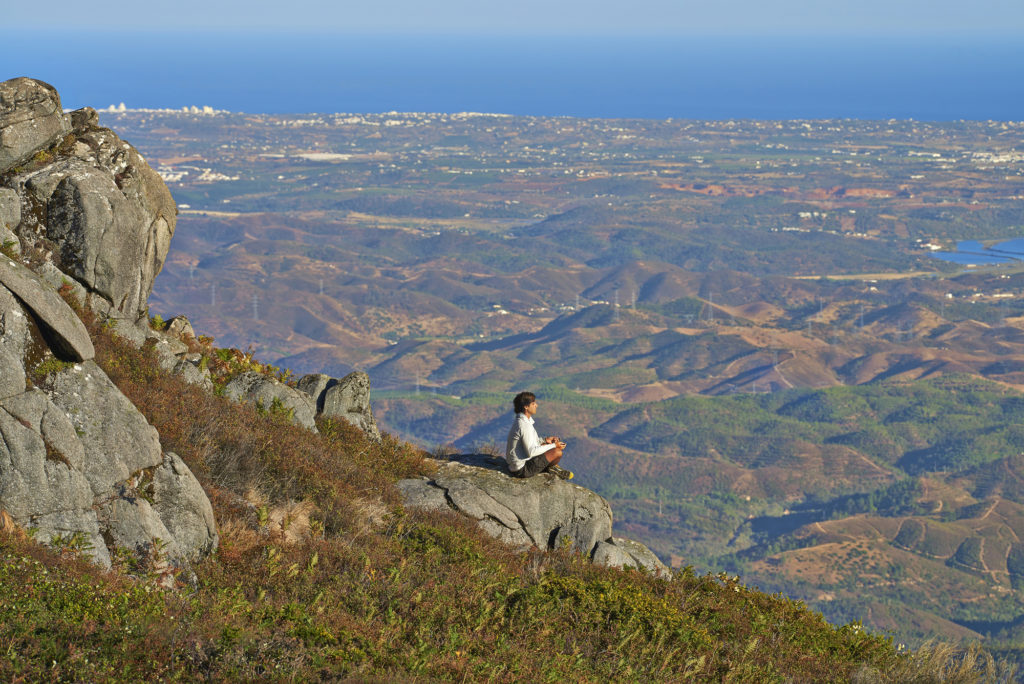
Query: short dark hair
[522,400]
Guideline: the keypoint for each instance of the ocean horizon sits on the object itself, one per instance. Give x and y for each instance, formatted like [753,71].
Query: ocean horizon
[658,77]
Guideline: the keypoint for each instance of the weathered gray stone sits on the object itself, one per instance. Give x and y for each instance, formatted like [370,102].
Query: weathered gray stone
[117,439]
[167,351]
[131,523]
[63,329]
[256,388]
[127,328]
[10,209]
[34,409]
[144,189]
[179,326]
[31,119]
[314,385]
[44,478]
[49,483]
[421,493]
[14,342]
[102,238]
[183,507]
[99,305]
[191,374]
[9,241]
[27,408]
[83,119]
[36,186]
[32,480]
[620,553]
[542,511]
[50,527]
[56,279]
[162,510]
[350,399]
[76,457]
[39,488]
[347,398]
[12,374]
[10,217]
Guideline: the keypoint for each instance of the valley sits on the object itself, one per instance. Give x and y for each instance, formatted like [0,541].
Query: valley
[739,326]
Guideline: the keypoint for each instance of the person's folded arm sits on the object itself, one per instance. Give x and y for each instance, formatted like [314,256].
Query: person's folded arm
[533,445]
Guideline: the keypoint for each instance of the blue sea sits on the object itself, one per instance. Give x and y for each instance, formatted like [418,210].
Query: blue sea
[704,77]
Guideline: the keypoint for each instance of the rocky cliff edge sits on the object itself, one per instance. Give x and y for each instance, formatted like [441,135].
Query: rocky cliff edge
[543,511]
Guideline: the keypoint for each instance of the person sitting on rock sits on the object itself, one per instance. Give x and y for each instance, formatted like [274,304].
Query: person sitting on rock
[526,454]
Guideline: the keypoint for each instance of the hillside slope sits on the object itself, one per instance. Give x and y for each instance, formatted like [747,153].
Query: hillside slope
[321,574]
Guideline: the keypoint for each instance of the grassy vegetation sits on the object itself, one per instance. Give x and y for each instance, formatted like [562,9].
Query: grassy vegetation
[320,574]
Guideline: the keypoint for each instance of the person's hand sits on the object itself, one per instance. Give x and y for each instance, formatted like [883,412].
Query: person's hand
[551,440]
[561,445]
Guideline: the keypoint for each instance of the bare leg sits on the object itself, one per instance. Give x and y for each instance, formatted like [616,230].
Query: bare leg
[553,456]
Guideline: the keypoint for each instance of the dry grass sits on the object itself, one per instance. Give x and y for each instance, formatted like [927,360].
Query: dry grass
[8,526]
[941,662]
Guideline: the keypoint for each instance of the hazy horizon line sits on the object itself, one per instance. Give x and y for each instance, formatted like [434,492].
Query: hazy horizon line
[285,32]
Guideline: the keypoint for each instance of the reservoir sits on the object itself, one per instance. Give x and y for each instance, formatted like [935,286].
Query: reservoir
[972,252]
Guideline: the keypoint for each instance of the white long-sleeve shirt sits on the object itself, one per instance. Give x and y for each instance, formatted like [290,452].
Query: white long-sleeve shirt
[523,443]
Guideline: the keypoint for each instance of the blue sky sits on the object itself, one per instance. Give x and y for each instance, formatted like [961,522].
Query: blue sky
[562,17]
[925,59]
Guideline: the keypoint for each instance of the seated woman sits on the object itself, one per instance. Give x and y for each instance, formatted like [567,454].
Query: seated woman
[525,453]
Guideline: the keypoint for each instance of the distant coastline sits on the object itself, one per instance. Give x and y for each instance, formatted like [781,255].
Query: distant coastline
[693,78]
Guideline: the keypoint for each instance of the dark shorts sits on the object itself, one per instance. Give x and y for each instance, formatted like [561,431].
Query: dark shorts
[535,465]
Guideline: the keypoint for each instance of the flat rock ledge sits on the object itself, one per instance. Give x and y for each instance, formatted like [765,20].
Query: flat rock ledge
[543,511]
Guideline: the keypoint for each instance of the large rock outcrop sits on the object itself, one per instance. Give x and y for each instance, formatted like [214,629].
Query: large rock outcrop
[92,206]
[347,398]
[78,462]
[543,511]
